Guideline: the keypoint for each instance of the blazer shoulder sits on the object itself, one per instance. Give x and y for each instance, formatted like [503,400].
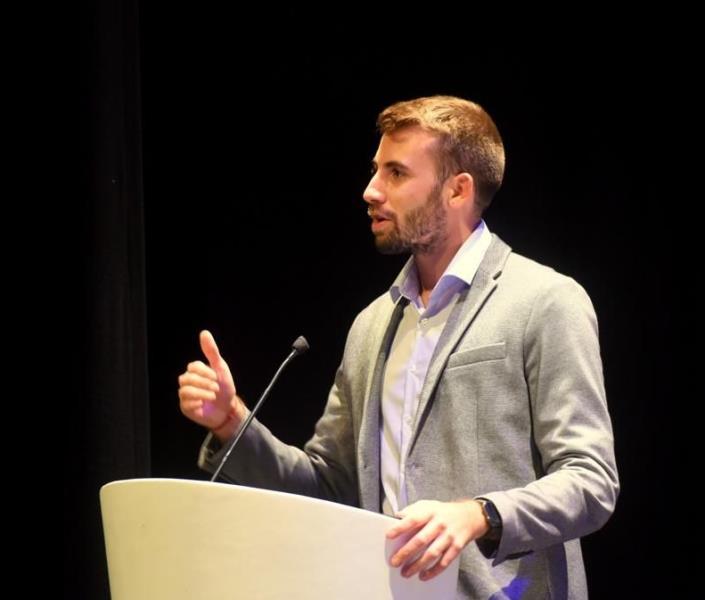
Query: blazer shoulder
[369,319]
[382,303]
[534,276]
[544,288]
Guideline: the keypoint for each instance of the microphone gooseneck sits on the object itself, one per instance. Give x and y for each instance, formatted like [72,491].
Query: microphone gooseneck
[299,346]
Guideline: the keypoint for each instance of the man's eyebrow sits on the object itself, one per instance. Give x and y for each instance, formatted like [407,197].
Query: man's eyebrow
[390,164]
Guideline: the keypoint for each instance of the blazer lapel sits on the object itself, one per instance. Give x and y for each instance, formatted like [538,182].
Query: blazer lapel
[368,454]
[466,308]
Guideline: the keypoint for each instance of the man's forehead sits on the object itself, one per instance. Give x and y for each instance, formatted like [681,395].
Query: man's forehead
[409,140]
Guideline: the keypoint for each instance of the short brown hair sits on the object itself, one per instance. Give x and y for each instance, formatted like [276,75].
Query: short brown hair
[468,139]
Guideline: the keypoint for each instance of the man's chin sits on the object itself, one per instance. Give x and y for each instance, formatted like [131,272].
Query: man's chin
[389,247]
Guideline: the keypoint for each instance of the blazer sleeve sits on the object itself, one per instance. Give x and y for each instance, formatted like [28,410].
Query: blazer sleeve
[325,468]
[571,428]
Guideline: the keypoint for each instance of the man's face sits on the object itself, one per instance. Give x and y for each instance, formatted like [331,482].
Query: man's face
[404,196]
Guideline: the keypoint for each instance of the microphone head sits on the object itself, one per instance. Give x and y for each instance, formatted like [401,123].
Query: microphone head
[300,345]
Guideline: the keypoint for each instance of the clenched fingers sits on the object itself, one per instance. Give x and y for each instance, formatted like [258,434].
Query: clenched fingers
[200,368]
[195,380]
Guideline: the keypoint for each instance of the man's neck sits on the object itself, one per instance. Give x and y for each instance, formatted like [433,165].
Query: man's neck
[431,265]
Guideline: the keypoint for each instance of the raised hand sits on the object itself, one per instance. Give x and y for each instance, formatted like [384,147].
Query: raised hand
[207,393]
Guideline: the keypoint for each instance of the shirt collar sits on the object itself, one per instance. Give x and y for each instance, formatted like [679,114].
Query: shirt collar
[459,273]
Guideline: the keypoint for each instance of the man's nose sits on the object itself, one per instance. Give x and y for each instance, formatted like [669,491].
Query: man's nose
[373,194]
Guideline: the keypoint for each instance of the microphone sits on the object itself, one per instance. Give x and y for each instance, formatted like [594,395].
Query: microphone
[299,346]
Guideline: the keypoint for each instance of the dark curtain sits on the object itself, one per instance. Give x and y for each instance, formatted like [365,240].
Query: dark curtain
[110,425]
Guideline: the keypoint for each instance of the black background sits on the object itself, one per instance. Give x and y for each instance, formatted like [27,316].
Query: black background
[257,137]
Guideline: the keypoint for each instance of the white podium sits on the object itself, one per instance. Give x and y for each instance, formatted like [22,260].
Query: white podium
[180,539]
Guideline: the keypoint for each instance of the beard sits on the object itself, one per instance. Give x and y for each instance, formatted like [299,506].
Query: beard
[420,231]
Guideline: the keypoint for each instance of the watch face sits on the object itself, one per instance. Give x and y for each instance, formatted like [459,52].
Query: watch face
[492,515]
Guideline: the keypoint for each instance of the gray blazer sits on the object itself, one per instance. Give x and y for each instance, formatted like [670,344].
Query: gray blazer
[513,409]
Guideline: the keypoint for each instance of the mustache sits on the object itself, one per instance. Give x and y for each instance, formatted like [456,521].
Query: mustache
[378,214]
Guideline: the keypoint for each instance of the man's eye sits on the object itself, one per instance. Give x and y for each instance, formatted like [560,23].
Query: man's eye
[396,173]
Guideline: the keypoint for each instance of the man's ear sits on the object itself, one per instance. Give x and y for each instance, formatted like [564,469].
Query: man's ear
[462,190]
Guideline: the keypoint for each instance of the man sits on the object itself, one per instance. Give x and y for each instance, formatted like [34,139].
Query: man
[470,398]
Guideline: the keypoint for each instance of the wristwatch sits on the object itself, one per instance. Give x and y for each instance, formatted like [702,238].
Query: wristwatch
[492,517]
